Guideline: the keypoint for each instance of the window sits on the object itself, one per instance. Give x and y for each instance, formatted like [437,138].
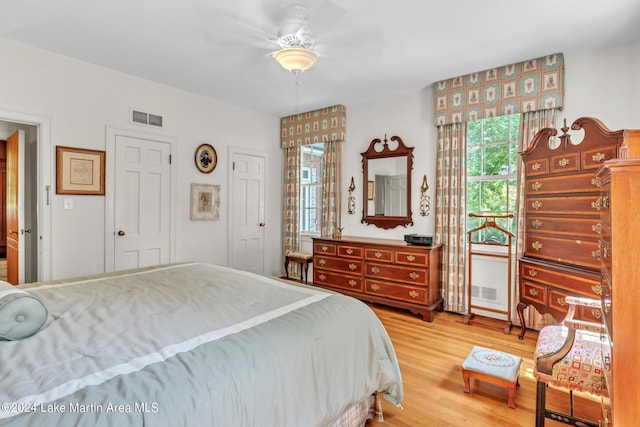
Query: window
[492,163]
[311,188]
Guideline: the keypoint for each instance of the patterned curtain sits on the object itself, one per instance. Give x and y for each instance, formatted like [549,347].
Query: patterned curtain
[450,214]
[328,126]
[530,124]
[291,205]
[331,194]
[526,87]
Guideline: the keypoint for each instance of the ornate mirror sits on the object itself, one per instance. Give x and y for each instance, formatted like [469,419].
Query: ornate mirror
[386,169]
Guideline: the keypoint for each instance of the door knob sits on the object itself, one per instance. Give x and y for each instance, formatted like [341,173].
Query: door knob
[262,224]
[121,233]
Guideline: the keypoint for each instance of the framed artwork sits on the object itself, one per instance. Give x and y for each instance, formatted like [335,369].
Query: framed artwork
[206,158]
[205,202]
[80,171]
[370,189]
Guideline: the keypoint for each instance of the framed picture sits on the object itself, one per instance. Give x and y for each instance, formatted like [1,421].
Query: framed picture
[370,189]
[206,158]
[205,202]
[79,171]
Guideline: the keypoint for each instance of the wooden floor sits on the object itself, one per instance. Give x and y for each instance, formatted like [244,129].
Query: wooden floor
[430,355]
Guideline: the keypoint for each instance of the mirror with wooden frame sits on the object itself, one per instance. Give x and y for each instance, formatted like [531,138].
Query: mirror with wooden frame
[386,171]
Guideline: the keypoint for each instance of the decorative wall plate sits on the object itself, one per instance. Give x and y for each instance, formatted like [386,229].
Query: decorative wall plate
[206,158]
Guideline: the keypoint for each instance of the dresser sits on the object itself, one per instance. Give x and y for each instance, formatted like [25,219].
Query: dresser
[384,271]
[619,253]
[562,216]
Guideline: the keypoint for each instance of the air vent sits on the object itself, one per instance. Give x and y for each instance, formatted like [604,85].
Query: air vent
[485,293]
[142,118]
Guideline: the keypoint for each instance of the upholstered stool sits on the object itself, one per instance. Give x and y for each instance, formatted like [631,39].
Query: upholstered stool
[304,259]
[492,366]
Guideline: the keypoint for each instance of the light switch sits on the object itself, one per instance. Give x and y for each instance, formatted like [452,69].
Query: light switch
[68,204]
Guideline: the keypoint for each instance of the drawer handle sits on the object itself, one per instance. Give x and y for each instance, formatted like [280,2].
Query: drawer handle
[413,294]
[353,266]
[598,157]
[375,287]
[536,223]
[378,254]
[536,245]
[349,251]
[322,277]
[533,292]
[352,282]
[536,205]
[596,182]
[597,228]
[606,252]
[563,162]
[597,204]
[411,258]
[596,254]
[533,272]
[536,186]
[597,289]
[606,361]
[596,313]
[536,166]
[322,261]
[325,248]
[414,275]
[561,301]
[375,270]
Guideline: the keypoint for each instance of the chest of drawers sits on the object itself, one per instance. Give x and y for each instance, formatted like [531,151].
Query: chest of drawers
[383,271]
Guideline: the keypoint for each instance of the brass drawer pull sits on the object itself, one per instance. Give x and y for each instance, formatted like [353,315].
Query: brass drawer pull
[414,275]
[411,258]
[533,292]
[596,254]
[597,204]
[597,182]
[598,157]
[352,282]
[375,287]
[536,245]
[561,301]
[322,261]
[353,266]
[536,223]
[536,166]
[597,289]
[349,251]
[536,186]
[536,205]
[563,162]
[606,252]
[325,248]
[322,277]
[597,228]
[375,270]
[378,254]
[533,272]
[596,313]
[413,294]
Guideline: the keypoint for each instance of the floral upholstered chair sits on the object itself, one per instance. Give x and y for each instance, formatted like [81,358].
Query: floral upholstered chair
[569,355]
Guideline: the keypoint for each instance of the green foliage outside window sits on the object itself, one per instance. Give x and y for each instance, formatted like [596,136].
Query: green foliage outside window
[492,162]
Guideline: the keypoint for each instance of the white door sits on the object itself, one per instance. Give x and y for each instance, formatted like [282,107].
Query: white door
[142,202]
[247,212]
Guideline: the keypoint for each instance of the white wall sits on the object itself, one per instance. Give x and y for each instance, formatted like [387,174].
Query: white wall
[82,99]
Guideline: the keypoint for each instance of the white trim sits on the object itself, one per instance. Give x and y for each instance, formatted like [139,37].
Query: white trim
[247,152]
[109,229]
[44,180]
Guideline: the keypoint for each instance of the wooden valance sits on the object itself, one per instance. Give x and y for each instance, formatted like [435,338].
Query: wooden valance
[537,84]
[323,125]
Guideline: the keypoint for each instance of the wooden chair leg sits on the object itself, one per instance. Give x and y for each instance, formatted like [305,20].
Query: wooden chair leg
[511,391]
[541,402]
[465,377]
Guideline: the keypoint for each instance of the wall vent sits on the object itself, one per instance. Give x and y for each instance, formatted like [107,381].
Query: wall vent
[485,293]
[142,118]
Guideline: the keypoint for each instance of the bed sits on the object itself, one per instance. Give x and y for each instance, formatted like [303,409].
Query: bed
[195,345]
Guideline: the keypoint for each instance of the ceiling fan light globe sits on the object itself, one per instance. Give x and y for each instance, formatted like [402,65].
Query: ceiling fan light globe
[296,59]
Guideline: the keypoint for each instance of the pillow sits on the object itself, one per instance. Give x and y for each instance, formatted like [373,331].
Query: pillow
[21,314]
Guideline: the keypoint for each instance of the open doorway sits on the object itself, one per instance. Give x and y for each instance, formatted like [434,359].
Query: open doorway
[29,232]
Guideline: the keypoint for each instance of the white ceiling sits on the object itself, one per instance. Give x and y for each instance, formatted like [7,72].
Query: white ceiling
[370,48]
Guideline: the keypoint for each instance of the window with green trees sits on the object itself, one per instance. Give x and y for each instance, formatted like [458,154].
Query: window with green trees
[492,163]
